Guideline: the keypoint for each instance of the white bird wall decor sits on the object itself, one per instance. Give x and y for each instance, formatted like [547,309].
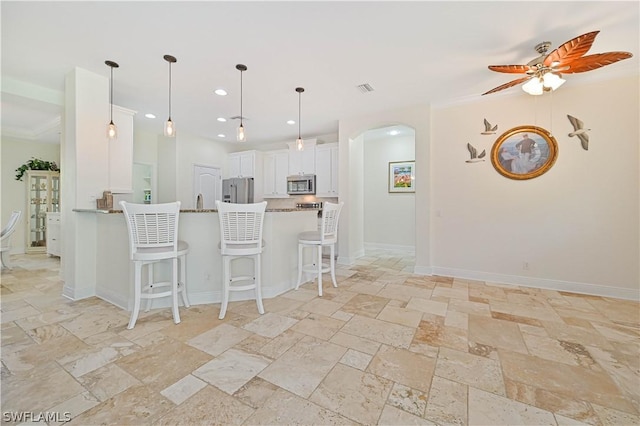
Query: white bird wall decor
[474,154]
[579,131]
[488,130]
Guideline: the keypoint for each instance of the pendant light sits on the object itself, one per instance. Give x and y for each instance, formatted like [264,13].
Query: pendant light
[299,141]
[241,134]
[112,130]
[169,127]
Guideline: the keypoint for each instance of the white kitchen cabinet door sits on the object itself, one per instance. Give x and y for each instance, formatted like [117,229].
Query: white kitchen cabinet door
[276,169]
[327,170]
[302,162]
[242,164]
[53,234]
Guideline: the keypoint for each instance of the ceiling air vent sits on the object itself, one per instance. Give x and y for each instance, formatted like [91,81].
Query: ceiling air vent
[237,117]
[365,88]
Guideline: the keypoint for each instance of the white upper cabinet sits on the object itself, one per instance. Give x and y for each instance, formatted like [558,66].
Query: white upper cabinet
[276,169]
[302,162]
[242,164]
[327,170]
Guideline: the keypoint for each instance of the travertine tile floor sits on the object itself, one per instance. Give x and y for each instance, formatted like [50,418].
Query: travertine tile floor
[385,347]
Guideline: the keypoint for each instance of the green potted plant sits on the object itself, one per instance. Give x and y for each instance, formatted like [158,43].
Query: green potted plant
[36,164]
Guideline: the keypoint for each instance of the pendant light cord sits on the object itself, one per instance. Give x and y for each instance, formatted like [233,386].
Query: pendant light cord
[169,90]
[111,96]
[241,97]
[299,107]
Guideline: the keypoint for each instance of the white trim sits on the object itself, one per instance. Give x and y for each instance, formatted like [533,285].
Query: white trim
[381,246]
[544,283]
[71,293]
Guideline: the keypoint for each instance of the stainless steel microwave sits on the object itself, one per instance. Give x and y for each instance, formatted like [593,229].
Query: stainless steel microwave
[301,184]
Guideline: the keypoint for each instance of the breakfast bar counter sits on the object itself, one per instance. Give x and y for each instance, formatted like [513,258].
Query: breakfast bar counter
[201,230]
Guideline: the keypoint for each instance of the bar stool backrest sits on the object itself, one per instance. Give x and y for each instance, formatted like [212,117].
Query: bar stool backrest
[11,226]
[241,227]
[153,228]
[329,225]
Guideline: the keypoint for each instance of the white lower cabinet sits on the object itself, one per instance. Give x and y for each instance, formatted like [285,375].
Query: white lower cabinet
[276,168]
[53,234]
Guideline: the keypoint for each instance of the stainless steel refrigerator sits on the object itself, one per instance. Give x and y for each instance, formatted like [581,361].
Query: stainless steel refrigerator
[237,190]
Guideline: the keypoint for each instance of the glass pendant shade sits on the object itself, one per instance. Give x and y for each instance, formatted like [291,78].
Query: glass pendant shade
[241,136]
[169,127]
[299,144]
[112,130]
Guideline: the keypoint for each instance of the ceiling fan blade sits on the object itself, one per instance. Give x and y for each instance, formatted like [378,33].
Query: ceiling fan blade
[571,50]
[510,69]
[592,62]
[507,85]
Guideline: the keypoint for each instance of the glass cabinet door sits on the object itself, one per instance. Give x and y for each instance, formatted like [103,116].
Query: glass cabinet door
[43,195]
[55,194]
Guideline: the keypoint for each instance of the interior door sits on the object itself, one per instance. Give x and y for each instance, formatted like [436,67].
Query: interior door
[207,182]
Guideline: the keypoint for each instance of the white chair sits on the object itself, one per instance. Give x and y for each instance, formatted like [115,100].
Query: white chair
[241,237]
[327,235]
[153,238]
[5,238]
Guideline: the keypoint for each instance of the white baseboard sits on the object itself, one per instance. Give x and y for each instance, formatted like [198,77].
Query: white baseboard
[71,293]
[517,280]
[201,297]
[380,246]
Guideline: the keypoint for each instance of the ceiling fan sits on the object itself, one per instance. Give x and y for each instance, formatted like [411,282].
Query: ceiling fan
[543,73]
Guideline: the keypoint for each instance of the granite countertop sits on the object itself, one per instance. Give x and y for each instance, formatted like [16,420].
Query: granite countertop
[278,210]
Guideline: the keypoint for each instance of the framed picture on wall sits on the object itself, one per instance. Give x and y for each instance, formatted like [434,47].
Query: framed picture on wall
[402,176]
[524,152]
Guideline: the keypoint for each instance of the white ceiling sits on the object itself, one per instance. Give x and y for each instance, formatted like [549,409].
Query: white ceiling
[412,53]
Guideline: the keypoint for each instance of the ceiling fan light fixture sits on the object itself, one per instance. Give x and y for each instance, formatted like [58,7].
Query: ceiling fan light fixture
[534,86]
[552,81]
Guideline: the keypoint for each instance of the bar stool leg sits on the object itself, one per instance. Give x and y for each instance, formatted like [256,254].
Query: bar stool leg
[149,283]
[320,270]
[136,297]
[258,281]
[300,253]
[332,262]
[174,290]
[183,280]
[226,273]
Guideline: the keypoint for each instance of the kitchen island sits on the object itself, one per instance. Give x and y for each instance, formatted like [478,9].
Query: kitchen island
[201,230]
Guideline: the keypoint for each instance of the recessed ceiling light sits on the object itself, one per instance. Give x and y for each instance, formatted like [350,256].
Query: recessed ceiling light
[291,122]
[222,119]
[222,135]
[394,132]
[220,92]
[150,115]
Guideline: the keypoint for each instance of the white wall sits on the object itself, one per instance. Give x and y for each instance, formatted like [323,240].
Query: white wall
[389,218]
[194,150]
[576,226]
[15,153]
[416,117]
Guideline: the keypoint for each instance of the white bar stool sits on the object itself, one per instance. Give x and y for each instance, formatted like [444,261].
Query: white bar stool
[327,235]
[153,238]
[241,236]
[5,238]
